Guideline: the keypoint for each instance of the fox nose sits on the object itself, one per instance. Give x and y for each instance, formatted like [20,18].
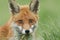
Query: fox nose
[27,31]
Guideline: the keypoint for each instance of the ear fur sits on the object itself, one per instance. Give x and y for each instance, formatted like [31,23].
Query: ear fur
[34,5]
[13,6]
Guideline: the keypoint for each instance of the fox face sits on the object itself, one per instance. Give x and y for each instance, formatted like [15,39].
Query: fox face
[24,18]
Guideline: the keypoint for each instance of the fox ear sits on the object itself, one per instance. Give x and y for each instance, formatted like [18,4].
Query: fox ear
[34,5]
[13,6]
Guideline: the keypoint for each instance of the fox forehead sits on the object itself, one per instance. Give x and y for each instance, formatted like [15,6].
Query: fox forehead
[25,13]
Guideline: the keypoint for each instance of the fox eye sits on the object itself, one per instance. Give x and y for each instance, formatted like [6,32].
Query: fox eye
[20,21]
[30,21]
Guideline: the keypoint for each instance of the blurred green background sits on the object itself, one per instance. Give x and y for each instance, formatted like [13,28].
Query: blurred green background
[49,18]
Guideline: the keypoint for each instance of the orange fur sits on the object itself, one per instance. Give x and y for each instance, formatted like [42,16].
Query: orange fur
[25,14]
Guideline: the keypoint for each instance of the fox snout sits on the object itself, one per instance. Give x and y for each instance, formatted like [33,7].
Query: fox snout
[27,31]
[21,30]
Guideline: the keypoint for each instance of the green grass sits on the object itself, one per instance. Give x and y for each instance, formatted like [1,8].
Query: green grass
[49,18]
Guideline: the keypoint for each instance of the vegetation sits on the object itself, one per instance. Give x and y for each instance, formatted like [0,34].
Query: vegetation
[49,18]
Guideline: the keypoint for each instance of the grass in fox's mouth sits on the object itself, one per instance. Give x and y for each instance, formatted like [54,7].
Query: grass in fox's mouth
[25,37]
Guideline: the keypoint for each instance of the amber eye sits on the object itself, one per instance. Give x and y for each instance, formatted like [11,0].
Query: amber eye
[30,21]
[20,21]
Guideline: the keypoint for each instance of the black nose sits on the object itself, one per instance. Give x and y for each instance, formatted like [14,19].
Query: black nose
[27,31]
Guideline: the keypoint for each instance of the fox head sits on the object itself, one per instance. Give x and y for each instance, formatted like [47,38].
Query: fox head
[24,18]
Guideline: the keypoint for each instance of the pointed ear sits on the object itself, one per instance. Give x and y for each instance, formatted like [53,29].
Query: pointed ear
[34,5]
[14,7]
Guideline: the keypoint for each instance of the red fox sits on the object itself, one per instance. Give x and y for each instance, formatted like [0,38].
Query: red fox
[22,21]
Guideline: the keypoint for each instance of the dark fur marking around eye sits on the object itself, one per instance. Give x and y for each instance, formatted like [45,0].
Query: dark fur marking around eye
[30,21]
[20,21]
